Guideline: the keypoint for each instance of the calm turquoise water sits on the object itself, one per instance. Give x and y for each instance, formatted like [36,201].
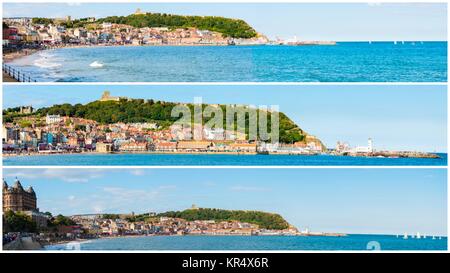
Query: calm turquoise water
[345,62]
[214,160]
[351,242]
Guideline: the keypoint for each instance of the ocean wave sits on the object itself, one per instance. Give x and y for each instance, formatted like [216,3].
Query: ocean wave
[45,63]
[96,64]
[67,245]
[45,54]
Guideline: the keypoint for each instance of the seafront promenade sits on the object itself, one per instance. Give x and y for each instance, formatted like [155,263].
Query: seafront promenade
[381,154]
[11,74]
[23,243]
[8,78]
[14,74]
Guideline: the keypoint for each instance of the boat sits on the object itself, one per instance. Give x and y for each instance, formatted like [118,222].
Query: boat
[405,236]
[418,235]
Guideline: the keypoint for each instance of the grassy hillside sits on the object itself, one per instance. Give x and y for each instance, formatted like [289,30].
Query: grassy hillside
[228,27]
[234,28]
[139,110]
[262,219]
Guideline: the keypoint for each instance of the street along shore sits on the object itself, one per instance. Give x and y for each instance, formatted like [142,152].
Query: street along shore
[380,154]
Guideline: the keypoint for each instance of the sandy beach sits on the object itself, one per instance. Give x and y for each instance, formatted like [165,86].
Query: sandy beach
[12,56]
[9,57]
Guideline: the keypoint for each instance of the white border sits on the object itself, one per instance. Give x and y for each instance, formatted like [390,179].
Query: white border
[242,83]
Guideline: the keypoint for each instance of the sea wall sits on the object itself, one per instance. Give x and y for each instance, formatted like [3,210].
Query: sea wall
[23,243]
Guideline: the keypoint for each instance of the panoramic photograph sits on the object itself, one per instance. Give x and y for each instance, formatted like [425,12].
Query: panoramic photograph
[224,42]
[225,125]
[271,209]
[229,136]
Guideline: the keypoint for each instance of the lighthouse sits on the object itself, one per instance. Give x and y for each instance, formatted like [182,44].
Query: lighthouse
[370,145]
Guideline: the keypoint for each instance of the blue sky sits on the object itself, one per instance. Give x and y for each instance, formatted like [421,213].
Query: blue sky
[382,201]
[396,117]
[307,21]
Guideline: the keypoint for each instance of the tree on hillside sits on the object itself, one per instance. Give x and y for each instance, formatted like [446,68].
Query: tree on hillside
[19,222]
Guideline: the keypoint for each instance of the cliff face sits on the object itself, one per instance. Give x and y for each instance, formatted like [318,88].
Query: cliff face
[316,141]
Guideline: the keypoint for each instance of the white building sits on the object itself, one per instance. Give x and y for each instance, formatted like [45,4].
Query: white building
[106,25]
[214,133]
[342,147]
[144,125]
[51,119]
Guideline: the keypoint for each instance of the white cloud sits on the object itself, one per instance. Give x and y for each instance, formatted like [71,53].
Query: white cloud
[72,4]
[137,172]
[66,175]
[97,209]
[96,198]
[131,194]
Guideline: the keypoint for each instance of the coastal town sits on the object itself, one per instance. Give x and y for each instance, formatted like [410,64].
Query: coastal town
[27,133]
[56,134]
[24,31]
[42,228]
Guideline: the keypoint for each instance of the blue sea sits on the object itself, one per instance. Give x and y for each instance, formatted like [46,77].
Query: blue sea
[344,62]
[215,160]
[350,242]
